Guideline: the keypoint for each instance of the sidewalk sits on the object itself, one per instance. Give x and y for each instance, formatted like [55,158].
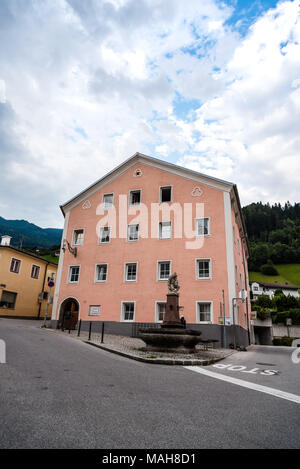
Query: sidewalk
[134,349]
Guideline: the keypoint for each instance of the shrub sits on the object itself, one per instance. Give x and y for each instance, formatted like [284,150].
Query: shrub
[282,316]
[264,301]
[285,303]
[284,341]
[268,269]
[262,314]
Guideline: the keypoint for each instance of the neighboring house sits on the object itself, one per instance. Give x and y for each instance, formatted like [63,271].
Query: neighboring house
[265,288]
[24,290]
[117,273]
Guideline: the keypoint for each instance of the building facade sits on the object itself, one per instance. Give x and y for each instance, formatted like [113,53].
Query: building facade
[267,288]
[124,235]
[24,277]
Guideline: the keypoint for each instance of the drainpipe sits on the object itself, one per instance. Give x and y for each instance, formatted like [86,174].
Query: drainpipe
[43,288]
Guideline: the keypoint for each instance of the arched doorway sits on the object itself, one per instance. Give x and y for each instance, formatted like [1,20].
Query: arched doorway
[68,314]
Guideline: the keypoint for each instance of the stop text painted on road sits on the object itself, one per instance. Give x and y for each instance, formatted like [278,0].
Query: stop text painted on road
[244,369]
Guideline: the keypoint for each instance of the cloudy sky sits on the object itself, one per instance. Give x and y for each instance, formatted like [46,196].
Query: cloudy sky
[84,84]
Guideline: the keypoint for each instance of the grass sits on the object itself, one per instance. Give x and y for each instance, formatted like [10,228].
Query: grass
[51,258]
[287,273]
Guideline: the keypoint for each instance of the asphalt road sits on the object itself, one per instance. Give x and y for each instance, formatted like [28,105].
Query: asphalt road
[57,392]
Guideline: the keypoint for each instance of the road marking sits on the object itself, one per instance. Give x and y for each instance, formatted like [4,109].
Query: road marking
[243,369]
[246,384]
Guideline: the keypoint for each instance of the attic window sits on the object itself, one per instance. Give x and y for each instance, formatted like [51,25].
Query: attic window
[137,173]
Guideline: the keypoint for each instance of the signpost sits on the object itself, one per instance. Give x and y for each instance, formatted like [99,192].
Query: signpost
[50,285]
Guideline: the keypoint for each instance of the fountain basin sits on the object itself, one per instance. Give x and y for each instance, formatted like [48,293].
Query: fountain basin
[166,339]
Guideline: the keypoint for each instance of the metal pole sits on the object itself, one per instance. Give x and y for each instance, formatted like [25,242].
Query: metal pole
[224,330]
[46,309]
[102,333]
[90,330]
[233,321]
[79,327]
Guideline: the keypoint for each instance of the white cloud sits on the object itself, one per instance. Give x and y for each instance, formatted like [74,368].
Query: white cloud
[88,83]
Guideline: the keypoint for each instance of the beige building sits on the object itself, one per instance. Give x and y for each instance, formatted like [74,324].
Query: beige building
[24,277]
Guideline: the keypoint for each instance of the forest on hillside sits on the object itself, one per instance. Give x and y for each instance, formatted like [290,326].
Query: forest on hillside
[273,232]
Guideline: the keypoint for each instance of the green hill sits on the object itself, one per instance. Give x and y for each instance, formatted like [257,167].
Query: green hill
[287,273]
[28,234]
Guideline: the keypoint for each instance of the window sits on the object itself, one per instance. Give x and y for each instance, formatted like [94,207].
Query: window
[135,197]
[164,270]
[94,310]
[165,194]
[78,237]
[8,299]
[160,311]
[101,273]
[104,234]
[35,271]
[131,272]
[203,269]
[15,265]
[133,233]
[204,311]
[165,230]
[74,274]
[202,227]
[255,288]
[107,201]
[128,311]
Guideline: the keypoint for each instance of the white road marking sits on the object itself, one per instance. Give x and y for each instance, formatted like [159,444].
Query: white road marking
[246,384]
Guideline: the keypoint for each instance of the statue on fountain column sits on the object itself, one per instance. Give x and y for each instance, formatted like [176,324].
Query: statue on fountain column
[173,285]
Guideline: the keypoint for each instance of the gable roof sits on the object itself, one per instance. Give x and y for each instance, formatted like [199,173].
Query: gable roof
[287,286]
[145,159]
[27,253]
[164,166]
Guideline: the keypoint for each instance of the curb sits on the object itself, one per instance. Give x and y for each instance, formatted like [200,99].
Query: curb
[158,361]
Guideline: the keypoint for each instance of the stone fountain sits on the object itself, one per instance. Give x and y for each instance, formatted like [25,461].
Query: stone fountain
[172,336]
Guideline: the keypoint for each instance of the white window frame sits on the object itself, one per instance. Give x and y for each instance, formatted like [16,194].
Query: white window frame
[39,271]
[158,270]
[159,229]
[69,273]
[15,259]
[129,197]
[197,269]
[157,302]
[103,203]
[133,240]
[99,237]
[96,280]
[196,227]
[123,302]
[159,194]
[211,312]
[125,271]
[73,236]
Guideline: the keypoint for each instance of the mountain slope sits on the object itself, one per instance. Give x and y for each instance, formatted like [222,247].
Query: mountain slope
[29,234]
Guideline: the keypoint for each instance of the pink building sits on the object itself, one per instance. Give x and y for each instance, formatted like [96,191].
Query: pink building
[124,235]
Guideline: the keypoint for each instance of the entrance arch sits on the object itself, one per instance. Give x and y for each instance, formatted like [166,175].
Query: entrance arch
[68,313]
